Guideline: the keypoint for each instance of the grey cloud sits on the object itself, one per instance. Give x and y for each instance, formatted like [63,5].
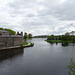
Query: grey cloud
[66,11]
[6,25]
[30,15]
[38,22]
[53,18]
[19,4]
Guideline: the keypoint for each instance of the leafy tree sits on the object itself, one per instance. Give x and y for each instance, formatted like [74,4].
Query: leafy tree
[64,38]
[67,33]
[25,35]
[51,37]
[73,32]
[73,39]
[29,36]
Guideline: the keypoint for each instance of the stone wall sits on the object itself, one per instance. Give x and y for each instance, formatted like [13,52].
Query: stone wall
[4,32]
[18,41]
[7,41]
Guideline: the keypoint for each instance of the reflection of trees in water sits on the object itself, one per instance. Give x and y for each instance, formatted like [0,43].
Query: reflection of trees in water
[71,68]
[68,44]
[6,54]
[51,43]
[64,44]
[56,43]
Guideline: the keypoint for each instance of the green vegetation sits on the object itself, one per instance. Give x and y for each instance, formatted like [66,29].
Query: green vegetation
[27,36]
[56,41]
[25,43]
[31,44]
[71,68]
[9,30]
[61,39]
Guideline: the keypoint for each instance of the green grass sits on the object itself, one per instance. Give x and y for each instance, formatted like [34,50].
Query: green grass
[52,41]
[31,44]
[25,43]
[58,41]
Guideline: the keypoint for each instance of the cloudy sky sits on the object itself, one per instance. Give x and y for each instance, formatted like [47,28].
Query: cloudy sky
[39,17]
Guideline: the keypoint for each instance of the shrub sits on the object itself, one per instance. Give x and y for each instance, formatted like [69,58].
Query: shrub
[71,68]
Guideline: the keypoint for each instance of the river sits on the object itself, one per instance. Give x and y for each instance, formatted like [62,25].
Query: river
[42,59]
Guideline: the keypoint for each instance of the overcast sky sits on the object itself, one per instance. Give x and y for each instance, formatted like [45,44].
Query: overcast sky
[39,17]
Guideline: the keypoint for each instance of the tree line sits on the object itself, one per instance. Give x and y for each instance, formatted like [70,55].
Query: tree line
[67,37]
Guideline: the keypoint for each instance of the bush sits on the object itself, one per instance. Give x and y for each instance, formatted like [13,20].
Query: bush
[71,68]
[9,30]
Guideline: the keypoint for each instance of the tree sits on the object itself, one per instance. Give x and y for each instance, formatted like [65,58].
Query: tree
[73,39]
[65,38]
[25,35]
[71,68]
[29,36]
[67,33]
[73,32]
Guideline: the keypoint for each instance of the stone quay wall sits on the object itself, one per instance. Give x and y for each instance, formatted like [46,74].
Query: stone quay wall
[10,40]
[4,32]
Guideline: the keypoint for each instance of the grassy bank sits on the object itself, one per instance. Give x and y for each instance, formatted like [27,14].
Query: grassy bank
[25,43]
[58,41]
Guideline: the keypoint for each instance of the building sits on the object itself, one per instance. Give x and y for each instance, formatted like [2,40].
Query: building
[4,32]
[7,40]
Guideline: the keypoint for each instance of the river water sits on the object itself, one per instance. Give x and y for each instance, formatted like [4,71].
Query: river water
[41,59]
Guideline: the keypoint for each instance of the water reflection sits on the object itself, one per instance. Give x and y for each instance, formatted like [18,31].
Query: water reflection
[56,43]
[6,54]
[51,43]
[41,59]
[64,44]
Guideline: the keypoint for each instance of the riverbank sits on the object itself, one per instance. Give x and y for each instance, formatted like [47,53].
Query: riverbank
[58,41]
[21,46]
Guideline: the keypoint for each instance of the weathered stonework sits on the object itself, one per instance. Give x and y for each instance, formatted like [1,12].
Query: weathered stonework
[7,40]
[4,32]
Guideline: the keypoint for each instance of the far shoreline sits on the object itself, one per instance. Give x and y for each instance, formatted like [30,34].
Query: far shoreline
[58,41]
